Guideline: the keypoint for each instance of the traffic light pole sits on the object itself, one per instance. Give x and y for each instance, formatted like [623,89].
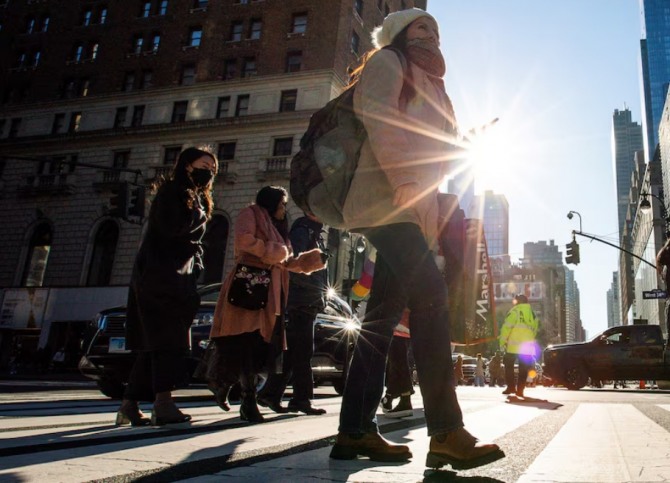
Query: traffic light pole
[592,237]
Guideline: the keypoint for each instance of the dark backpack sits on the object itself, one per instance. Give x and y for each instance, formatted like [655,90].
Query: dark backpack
[322,171]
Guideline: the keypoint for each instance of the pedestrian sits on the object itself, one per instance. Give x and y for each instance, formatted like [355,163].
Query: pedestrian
[495,369]
[306,298]
[392,201]
[459,377]
[663,269]
[517,341]
[480,375]
[162,299]
[248,330]
[398,372]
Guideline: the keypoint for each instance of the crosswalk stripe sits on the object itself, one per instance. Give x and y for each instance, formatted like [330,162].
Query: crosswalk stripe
[604,443]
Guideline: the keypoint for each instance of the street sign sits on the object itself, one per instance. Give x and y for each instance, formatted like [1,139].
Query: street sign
[657,293]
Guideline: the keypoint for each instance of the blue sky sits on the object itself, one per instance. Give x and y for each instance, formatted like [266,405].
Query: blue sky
[553,72]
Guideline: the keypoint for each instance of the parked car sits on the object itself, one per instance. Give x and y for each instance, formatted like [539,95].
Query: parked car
[107,361]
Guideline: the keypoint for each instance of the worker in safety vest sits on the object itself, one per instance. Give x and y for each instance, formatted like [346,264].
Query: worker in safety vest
[517,341]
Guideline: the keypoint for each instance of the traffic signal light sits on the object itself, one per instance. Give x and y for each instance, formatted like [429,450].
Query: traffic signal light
[572,253]
[137,198]
[118,202]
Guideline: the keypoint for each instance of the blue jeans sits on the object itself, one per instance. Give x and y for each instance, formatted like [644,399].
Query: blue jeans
[405,276]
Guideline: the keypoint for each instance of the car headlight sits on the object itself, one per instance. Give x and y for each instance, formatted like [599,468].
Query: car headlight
[100,321]
[203,319]
[352,325]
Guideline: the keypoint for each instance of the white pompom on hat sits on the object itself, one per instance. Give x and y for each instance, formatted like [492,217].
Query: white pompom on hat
[394,23]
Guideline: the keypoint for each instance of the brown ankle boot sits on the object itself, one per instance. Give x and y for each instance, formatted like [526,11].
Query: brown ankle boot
[165,411]
[129,413]
[461,450]
[372,445]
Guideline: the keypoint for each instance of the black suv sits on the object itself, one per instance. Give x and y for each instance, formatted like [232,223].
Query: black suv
[107,361]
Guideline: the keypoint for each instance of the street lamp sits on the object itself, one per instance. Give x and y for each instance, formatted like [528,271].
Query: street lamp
[645,207]
[573,213]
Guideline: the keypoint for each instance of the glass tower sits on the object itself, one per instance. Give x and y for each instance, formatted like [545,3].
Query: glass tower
[655,64]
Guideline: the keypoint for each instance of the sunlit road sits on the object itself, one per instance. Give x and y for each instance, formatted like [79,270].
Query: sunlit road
[57,434]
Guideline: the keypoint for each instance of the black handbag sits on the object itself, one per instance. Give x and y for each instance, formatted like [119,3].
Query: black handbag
[249,287]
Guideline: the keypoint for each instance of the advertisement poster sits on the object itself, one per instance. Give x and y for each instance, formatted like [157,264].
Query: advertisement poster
[23,308]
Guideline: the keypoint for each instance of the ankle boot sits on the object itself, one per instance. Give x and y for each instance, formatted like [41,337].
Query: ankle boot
[129,413]
[165,411]
[221,396]
[249,409]
[461,450]
[402,409]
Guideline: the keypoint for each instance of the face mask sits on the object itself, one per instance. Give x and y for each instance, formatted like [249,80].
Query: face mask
[201,177]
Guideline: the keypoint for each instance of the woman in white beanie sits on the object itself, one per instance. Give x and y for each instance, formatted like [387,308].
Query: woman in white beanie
[392,200]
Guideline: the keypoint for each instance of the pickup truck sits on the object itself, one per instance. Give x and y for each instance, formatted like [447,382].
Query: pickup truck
[624,352]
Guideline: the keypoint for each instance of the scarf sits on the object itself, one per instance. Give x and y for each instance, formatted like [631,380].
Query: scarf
[427,56]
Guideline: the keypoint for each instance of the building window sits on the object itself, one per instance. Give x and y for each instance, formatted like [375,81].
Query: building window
[14,126]
[84,87]
[241,2]
[121,159]
[229,69]
[236,29]
[120,117]
[128,82]
[102,257]
[358,5]
[223,107]
[75,122]
[138,41]
[38,256]
[138,116]
[249,67]
[30,25]
[170,155]
[69,89]
[179,110]
[187,75]
[162,7]
[194,37]
[293,61]
[93,50]
[200,4]
[102,18]
[86,17]
[78,52]
[58,124]
[145,11]
[36,58]
[387,10]
[255,28]
[283,147]
[155,43]
[299,25]
[44,24]
[227,151]
[242,107]
[288,100]
[355,43]
[146,80]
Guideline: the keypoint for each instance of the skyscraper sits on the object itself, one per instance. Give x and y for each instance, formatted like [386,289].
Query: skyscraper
[493,210]
[626,140]
[655,63]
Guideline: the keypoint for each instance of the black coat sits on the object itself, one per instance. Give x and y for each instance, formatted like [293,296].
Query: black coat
[307,290]
[162,300]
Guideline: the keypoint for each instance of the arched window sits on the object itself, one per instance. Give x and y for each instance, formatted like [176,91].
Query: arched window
[214,242]
[38,255]
[102,257]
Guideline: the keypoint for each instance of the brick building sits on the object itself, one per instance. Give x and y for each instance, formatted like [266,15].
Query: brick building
[95,93]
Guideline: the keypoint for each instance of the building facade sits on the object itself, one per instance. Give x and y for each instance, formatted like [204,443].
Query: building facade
[655,67]
[613,304]
[97,94]
[493,210]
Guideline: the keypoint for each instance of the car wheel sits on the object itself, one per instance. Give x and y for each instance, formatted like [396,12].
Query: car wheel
[575,377]
[338,385]
[111,388]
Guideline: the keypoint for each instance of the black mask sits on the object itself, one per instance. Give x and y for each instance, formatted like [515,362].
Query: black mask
[201,177]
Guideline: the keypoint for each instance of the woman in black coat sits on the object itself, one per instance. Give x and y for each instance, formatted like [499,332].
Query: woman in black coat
[162,300]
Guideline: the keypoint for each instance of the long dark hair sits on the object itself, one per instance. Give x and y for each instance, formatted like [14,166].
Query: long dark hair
[180,176]
[268,198]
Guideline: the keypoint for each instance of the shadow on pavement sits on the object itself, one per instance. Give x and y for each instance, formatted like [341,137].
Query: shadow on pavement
[533,402]
[437,476]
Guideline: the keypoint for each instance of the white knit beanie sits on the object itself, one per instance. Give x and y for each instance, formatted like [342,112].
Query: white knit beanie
[394,23]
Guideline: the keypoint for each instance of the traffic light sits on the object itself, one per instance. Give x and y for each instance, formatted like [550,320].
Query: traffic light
[118,202]
[572,253]
[136,205]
